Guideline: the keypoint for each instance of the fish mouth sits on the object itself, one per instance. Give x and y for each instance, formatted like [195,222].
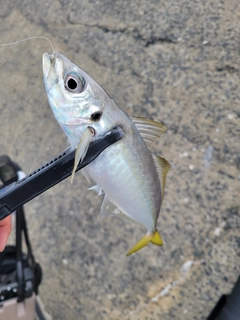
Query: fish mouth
[48,62]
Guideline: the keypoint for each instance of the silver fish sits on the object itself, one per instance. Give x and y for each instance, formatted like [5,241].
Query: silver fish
[130,177]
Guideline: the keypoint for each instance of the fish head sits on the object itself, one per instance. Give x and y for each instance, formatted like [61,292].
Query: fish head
[77,101]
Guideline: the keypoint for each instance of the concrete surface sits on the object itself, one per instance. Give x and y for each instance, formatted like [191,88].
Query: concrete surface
[172,61]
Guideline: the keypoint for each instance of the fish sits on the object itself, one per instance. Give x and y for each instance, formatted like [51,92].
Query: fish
[129,176]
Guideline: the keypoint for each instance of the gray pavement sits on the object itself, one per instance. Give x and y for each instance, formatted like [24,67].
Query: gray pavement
[172,61]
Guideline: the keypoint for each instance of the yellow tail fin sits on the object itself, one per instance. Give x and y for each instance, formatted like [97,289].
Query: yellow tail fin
[154,238]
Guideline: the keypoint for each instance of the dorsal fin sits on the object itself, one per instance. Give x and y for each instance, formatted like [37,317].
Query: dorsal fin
[150,130]
[162,167]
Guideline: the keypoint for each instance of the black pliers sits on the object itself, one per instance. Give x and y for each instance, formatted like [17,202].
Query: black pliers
[19,192]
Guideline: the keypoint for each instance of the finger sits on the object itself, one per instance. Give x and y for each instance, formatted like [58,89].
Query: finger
[5,230]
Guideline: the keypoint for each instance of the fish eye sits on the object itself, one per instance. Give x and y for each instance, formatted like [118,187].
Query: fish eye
[74,83]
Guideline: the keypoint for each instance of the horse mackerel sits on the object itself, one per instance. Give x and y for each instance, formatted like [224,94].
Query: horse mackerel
[131,178]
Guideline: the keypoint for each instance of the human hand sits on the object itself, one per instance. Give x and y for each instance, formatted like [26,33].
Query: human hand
[5,230]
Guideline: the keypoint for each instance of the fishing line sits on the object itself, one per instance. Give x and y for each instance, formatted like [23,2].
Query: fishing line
[26,39]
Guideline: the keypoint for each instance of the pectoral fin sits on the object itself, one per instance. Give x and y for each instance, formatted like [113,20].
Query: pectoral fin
[154,238]
[82,148]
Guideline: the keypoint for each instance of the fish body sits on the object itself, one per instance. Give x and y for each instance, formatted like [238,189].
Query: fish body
[131,178]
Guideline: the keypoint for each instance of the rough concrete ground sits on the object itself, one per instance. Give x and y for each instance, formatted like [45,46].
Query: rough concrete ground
[173,61]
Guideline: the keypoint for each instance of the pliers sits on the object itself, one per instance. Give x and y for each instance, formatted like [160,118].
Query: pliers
[17,193]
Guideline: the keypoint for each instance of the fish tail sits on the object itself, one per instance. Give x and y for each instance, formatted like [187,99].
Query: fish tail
[155,238]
